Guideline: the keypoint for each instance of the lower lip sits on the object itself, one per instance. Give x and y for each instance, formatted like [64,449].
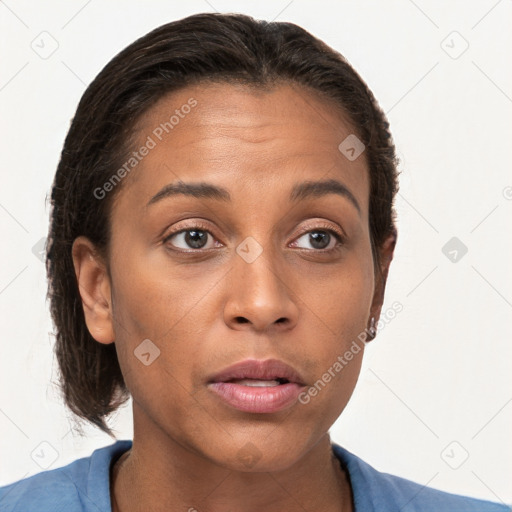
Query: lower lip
[257,399]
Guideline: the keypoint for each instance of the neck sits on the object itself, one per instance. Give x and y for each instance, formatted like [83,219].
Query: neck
[159,473]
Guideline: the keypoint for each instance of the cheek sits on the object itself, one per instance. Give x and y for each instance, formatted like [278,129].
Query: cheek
[155,348]
[343,308]
[337,354]
[344,297]
[149,305]
[152,297]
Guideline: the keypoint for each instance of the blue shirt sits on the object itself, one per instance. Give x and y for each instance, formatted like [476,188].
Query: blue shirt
[83,486]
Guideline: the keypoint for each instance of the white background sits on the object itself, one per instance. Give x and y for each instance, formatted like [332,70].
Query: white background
[440,371]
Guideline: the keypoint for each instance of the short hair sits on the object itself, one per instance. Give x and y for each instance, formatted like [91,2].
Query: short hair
[201,48]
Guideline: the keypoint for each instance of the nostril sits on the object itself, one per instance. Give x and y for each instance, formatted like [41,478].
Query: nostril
[241,320]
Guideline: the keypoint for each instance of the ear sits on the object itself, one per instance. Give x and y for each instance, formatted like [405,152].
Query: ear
[386,252]
[94,288]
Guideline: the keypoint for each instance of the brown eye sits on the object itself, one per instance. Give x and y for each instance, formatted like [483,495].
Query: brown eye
[191,239]
[319,239]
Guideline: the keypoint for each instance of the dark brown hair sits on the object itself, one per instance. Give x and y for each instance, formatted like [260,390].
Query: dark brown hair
[196,49]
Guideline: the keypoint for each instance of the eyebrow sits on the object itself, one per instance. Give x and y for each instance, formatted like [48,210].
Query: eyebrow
[309,189]
[300,191]
[199,190]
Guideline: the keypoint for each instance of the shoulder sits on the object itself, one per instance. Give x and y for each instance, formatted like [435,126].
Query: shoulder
[81,486]
[376,491]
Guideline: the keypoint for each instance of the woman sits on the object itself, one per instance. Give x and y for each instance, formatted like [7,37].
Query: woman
[221,232]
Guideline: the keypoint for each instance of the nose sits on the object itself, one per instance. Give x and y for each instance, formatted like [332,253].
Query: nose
[260,296]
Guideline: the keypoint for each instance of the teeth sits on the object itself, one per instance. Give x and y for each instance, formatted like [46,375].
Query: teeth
[257,383]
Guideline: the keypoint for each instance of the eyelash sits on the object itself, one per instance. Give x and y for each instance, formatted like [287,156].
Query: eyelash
[199,227]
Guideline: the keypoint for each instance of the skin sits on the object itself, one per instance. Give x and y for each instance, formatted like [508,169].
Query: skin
[208,309]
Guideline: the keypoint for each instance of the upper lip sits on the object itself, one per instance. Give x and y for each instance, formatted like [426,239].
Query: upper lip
[270,369]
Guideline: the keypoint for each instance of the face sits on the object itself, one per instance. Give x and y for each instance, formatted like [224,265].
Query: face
[260,270]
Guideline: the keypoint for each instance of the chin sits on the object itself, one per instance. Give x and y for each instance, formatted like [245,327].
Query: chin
[258,454]
[246,461]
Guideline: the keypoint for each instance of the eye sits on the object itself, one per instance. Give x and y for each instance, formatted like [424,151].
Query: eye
[322,239]
[191,238]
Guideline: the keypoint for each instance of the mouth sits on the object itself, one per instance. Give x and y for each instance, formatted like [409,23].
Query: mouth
[270,372]
[258,383]
[258,386]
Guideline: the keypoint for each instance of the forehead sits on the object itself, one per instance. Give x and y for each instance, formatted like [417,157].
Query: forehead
[244,136]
